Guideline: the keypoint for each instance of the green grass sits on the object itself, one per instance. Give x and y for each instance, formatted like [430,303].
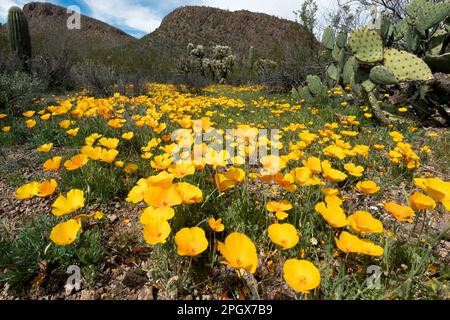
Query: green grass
[27,252]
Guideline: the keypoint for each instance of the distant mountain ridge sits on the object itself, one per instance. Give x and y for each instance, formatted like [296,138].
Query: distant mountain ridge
[48,28]
[278,39]
[271,37]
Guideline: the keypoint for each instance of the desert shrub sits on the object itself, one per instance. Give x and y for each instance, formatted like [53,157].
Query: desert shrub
[16,88]
[194,81]
[54,70]
[8,62]
[102,80]
[283,78]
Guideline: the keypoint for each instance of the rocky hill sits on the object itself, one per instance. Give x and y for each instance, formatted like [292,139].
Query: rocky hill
[273,38]
[49,32]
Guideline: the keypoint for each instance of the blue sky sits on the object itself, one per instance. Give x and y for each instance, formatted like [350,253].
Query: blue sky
[140,17]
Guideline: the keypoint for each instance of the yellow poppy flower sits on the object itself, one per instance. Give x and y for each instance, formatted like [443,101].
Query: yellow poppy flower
[65,205]
[353,170]
[28,190]
[313,164]
[364,223]
[349,243]
[284,235]
[30,123]
[162,196]
[150,213]
[282,206]
[222,182]
[438,189]
[156,231]
[119,164]
[29,114]
[45,147]
[65,233]
[128,136]
[367,187]
[189,193]
[76,162]
[47,188]
[301,275]
[64,124]
[401,213]
[191,241]
[216,225]
[52,164]
[108,156]
[109,143]
[131,168]
[181,170]
[332,212]
[419,201]
[239,252]
[73,132]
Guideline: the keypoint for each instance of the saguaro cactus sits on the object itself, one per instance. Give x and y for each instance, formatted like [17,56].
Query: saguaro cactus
[19,35]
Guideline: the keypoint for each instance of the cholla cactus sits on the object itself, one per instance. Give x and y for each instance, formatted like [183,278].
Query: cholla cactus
[195,51]
[218,66]
[263,66]
[222,62]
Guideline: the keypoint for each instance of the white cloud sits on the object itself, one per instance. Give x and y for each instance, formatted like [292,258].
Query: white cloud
[270,7]
[6,4]
[131,14]
[146,16]
[283,9]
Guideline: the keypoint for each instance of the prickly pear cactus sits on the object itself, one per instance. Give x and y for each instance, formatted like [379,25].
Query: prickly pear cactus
[387,28]
[341,39]
[338,55]
[406,66]
[437,40]
[368,85]
[333,73]
[328,38]
[315,85]
[413,7]
[430,15]
[400,30]
[348,75]
[412,39]
[295,94]
[382,75]
[367,45]
[305,94]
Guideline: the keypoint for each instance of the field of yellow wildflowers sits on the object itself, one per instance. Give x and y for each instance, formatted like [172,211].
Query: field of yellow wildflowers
[229,194]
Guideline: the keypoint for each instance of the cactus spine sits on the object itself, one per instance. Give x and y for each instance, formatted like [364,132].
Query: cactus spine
[19,35]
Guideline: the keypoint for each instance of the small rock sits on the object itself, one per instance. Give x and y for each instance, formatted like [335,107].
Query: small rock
[145,293]
[134,280]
